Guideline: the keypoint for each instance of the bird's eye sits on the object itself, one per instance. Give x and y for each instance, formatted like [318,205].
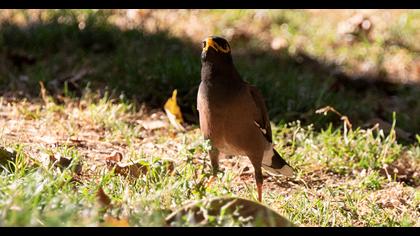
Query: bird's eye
[204,44]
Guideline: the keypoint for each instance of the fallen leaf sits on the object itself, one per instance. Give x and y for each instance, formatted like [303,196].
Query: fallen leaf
[103,199]
[130,169]
[115,222]
[247,211]
[77,143]
[63,163]
[115,157]
[7,155]
[173,111]
[125,169]
[170,166]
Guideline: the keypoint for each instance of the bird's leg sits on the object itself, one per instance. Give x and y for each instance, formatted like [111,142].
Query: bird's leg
[259,180]
[259,189]
[214,158]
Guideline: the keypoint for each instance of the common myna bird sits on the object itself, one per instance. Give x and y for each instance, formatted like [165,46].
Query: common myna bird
[233,115]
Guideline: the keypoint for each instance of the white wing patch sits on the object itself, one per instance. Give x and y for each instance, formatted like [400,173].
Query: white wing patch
[264,131]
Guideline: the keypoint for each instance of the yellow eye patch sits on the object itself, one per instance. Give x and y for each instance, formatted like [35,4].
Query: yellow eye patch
[211,43]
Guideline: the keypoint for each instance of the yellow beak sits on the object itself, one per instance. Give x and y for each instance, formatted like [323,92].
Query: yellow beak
[211,43]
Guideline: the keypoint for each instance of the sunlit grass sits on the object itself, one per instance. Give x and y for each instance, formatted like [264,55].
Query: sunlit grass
[37,195]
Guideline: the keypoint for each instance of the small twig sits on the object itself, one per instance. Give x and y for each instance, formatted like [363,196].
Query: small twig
[346,122]
[43,93]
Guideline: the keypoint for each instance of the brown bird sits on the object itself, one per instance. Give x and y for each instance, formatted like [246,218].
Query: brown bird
[233,115]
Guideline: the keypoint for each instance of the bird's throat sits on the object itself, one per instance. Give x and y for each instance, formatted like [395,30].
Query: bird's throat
[210,71]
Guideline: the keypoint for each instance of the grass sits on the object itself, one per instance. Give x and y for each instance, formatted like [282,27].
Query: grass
[340,184]
[105,85]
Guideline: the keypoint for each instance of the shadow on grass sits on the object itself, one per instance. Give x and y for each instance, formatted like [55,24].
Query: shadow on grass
[146,67]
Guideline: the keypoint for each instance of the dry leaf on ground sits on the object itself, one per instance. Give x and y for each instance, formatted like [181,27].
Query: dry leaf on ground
[114,157]
[63,162]
[103,199]
[7,156]
[247,211]
[173,111]
[125,169]
[115,222]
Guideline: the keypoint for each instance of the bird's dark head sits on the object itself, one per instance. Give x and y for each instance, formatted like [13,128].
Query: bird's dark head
[216,50]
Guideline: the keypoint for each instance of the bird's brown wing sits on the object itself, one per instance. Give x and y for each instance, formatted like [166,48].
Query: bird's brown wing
[275,164]
[261,116]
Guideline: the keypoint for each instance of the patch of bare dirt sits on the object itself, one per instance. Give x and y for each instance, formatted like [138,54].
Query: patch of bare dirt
[403,169]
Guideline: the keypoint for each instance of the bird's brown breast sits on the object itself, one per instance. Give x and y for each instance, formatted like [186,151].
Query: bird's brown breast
[213,106]
[229,125]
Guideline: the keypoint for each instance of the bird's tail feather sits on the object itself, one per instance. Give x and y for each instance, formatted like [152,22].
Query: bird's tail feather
[278,165]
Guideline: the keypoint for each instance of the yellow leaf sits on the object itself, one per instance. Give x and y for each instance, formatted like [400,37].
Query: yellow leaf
[174,112]
[114,222]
